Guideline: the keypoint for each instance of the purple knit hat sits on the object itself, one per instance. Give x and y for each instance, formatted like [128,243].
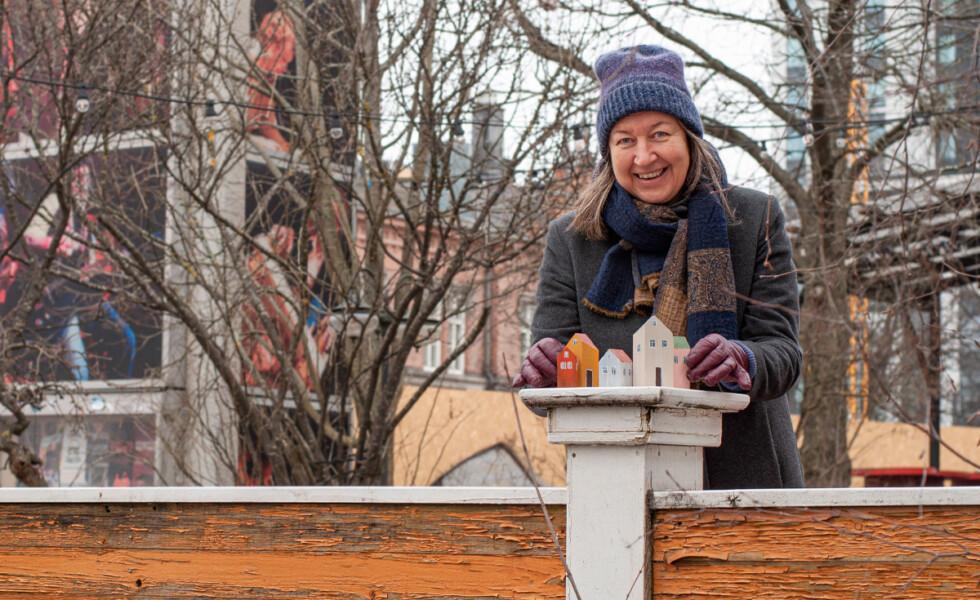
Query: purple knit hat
[638,79]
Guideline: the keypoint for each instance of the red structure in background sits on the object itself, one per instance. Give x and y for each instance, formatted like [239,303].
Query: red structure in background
[915,477]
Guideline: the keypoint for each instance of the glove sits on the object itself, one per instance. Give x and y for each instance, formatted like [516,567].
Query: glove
[715,360]
[539,368]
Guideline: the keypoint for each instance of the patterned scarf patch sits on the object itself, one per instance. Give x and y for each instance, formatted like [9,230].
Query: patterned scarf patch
[674,261]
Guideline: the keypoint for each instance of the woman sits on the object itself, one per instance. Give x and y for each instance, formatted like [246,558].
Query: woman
[659,231]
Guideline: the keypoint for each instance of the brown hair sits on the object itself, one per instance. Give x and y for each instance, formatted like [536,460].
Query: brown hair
[704,168]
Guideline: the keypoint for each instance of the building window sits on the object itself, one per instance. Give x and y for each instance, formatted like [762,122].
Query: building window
[958,88]
[433,355]
[966,396]
[495,466]
[795,60]
[456,322]
[95,450]
[663,344]
[432,351]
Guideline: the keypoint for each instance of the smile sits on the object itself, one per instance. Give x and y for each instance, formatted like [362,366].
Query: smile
[652,175]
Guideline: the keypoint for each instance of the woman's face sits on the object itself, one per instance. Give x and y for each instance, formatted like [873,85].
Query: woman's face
[649,156]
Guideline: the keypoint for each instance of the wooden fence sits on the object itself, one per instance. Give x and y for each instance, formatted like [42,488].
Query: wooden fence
[477,543]
[279,542]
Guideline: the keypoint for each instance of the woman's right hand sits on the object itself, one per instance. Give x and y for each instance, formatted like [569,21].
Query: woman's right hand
[539,368]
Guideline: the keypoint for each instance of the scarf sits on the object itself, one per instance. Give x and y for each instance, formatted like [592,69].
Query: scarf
[672,261]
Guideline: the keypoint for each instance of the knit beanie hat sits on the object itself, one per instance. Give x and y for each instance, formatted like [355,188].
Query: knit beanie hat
[639,79]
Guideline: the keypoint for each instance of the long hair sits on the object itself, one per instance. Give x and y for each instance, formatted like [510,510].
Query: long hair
[705,168]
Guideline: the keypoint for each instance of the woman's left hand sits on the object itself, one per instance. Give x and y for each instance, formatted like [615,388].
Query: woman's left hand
[715,360]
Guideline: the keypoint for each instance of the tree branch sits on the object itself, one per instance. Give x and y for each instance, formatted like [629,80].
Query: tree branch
[717,65]
[545,48]
[733,135]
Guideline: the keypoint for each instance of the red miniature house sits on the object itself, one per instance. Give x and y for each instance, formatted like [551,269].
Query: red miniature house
[567,369]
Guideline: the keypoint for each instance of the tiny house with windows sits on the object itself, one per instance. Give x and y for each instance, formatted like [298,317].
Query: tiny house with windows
[681,350]
[653,354]
[588,359]
[615,369]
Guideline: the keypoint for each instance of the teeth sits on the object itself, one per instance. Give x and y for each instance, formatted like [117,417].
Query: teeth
[653,175]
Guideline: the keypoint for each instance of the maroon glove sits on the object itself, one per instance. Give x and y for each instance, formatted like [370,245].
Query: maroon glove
[714,360]
[539,368]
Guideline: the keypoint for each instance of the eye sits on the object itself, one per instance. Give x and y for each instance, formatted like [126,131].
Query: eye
[622,141]
[660,135]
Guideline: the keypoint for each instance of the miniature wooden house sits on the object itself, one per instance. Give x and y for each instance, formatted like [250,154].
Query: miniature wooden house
[681,350]
[567,369]
[588,359]
[653,354]
[615,369]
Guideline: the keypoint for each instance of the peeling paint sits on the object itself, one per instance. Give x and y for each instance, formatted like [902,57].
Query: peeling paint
[239,551]
[887,552]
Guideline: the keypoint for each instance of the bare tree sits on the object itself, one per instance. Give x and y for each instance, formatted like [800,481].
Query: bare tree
[325,219]
[369,223]
[859,175]
[282,195]
[77,76]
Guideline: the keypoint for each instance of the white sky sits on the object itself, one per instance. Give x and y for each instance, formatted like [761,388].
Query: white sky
[746,48]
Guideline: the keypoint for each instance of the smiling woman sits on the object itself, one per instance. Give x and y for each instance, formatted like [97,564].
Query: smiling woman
[649,155]
[660,232]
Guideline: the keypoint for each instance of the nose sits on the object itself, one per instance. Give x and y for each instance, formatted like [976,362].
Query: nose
[645,153]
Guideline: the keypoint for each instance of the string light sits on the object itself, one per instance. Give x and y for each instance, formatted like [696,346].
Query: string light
[336,128]
[82,102]
[922,117]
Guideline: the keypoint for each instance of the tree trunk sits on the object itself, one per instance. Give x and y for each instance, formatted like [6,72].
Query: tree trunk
[823,417]
[24,464]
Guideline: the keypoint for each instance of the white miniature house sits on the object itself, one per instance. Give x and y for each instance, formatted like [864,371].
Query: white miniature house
[615,369]
[653,355]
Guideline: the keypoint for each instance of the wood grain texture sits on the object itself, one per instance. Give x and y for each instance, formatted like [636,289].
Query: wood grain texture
[887,552]
[286,550]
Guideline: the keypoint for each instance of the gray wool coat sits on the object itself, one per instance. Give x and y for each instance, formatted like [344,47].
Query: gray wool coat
[758,444]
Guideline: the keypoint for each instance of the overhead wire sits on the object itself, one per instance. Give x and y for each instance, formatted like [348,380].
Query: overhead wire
[452,121]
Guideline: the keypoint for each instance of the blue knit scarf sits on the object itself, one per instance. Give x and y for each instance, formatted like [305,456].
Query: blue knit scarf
[679,268]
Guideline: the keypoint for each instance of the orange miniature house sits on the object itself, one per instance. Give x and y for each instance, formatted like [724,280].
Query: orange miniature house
[588,359]
[567,369]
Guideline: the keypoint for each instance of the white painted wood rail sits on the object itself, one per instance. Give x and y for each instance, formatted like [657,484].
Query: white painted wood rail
[622,443]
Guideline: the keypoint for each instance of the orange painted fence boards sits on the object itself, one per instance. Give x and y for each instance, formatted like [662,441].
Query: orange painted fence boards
[263,550]
[867,552]
[243,550]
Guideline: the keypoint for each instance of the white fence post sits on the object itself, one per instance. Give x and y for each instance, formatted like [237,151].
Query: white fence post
[621,444]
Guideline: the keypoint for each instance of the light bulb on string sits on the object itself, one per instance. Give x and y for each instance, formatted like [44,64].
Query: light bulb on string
[82,102]
[336,129]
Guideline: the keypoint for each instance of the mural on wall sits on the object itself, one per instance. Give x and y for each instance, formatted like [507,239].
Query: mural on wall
[85,325]
[275,63]
[53,61]
[110,450]
[286,264]
[272,116]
